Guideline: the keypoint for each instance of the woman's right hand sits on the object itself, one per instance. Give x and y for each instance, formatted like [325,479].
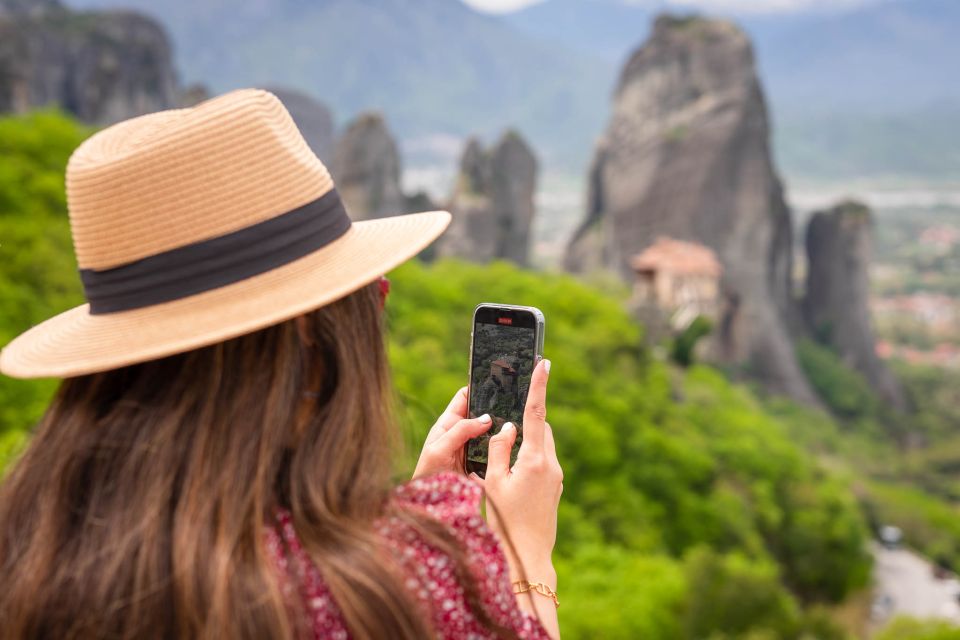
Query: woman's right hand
[525,498]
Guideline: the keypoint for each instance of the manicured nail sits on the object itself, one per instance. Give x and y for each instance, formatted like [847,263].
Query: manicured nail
[507,425]
[546,365]
[485,418]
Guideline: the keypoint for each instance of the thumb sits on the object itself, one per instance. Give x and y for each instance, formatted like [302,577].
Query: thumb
[498,454]
[457,436]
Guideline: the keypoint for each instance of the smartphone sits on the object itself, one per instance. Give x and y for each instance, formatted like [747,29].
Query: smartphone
[506,344]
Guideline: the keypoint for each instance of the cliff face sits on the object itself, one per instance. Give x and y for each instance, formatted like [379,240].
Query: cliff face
[313,118]
[836,305]
[493,202]
[102,67]
[26,7]
[686,155]
[366,168]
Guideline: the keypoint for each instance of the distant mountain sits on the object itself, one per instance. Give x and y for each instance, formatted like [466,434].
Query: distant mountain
[889,57]
[866,91]
[883,56]
[608,29]
[919,144]
[433,66]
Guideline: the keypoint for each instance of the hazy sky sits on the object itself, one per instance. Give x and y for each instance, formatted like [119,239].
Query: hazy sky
[740,6]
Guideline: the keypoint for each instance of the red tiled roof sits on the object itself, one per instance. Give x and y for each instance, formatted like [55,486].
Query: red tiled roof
[677,256]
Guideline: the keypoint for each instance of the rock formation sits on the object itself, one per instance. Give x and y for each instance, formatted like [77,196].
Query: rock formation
[366,167]
[31,8]
[493,202]
[192,95]
[100,66]
[836,305]
[686,155]
[313,118]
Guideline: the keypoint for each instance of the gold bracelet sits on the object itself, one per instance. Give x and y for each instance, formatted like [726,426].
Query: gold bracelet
[523,586]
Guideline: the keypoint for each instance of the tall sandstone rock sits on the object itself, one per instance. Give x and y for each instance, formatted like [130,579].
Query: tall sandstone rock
[493,202]
[836,305]
[366,167]
[687,155]
[100,66]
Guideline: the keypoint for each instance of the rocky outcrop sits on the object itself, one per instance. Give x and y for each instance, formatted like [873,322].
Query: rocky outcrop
[27,7]
[493,202]
[192,95]
[366,167]
[313,118]
[100,66]
[836,304]
[687,155]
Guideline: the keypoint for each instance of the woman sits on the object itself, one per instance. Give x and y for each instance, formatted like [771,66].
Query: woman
[217,462]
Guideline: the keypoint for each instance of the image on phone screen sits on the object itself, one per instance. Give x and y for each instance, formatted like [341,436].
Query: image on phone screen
[502,364]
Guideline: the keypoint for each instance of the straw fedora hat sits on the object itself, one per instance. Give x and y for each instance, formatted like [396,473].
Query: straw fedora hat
[193,226]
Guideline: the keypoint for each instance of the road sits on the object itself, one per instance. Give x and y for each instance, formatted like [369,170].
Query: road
[905,585]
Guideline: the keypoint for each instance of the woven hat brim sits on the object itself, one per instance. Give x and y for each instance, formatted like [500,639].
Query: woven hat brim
[76,343]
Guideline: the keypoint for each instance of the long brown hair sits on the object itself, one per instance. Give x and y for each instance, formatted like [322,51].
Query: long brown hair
[139,507]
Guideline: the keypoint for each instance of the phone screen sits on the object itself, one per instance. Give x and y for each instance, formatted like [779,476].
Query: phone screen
[504,355]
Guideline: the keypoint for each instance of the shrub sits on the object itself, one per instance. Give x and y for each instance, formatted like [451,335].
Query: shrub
[845,391]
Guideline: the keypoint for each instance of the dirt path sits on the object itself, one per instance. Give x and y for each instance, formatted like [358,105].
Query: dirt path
[905,585]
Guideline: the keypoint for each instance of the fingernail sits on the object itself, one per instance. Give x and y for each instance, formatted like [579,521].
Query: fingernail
[485,418]
[546,365]
[507,425]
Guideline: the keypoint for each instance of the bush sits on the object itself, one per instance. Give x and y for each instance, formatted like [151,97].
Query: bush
[911,629]
[684,344]
[609,593]
[732,597]
[929,525]
[38,274]
[845,391]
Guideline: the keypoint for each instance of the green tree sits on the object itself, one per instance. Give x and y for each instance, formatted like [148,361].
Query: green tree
[38,273]
[733,597]
[911,629]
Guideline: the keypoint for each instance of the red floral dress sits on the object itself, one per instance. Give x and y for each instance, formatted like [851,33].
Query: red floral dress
[451,499]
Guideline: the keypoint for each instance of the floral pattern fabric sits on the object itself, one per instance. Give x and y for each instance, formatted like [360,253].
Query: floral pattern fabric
[431,578]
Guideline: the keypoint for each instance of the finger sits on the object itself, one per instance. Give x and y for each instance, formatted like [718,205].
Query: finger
[458,404]
[535,411]
[549,445]
[491,510]
[550,453]
[473,477]
[498,453]
[462,430]
[456,410]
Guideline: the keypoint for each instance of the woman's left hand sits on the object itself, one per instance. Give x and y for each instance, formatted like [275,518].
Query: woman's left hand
[443,450]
